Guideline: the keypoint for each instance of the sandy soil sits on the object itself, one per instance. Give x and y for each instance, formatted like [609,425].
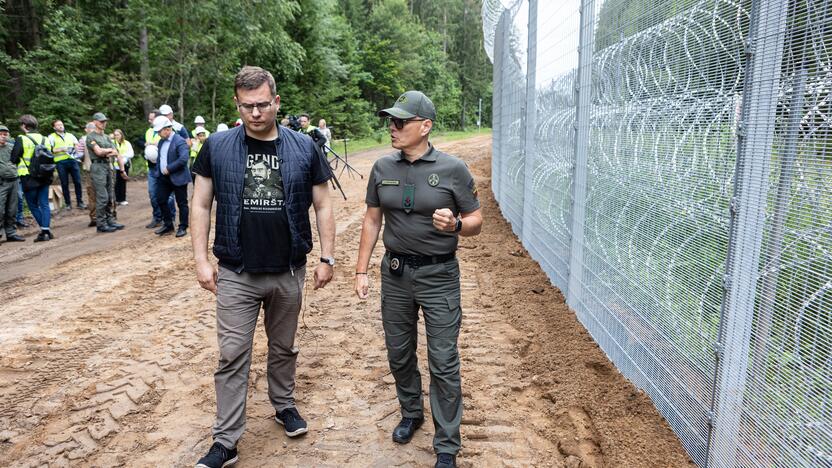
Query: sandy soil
[108,348]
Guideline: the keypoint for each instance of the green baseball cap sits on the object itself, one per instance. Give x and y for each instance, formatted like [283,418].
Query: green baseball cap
[4,128]
[409,105]
[99,116]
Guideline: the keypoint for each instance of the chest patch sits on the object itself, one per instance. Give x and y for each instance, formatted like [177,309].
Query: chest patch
[433,180]
[389,182]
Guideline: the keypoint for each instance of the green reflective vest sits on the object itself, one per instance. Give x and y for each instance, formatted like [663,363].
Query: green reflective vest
[66,141]
[28,151]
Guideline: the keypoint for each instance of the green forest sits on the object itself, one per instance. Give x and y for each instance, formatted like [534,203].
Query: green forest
[340,60]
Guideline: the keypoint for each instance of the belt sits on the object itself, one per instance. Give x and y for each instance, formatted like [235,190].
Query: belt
[98,160]
[421,260]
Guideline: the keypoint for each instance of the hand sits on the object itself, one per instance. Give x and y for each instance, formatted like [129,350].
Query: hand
[165,171]
[124,175]
[444,220]
[362,286]
[206,274]
[323,275]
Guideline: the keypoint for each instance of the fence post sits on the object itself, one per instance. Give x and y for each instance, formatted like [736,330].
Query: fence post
[497,109]
[586,47]
[755,136]
[530,127]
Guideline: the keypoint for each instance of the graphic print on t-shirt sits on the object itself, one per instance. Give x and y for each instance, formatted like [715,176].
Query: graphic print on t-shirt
[263,192]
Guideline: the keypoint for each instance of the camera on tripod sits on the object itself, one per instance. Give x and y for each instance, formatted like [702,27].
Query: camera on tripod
[294,122]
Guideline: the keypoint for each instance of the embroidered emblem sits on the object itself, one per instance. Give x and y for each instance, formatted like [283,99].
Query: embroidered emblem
[433,180]
[402,99]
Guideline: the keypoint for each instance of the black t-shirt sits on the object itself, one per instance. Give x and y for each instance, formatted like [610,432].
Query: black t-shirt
[264,225]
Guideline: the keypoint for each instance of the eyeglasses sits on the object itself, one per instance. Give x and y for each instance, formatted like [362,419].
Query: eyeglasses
[260,106]
[399,123]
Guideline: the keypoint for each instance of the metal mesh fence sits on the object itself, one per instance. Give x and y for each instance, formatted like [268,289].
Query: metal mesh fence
[669,164]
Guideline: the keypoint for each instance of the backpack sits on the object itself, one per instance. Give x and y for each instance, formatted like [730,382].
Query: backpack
[42,164]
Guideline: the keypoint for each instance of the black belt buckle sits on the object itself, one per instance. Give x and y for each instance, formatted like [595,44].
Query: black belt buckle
[396,264]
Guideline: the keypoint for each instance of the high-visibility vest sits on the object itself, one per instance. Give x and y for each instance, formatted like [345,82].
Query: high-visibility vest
[195,149]
[151,137]
[66,141]
[29,151]
[121,148]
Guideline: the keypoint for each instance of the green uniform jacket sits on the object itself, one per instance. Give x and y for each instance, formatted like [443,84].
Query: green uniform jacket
[8,171]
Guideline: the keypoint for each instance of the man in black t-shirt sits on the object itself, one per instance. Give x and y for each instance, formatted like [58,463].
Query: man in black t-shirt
[263,235]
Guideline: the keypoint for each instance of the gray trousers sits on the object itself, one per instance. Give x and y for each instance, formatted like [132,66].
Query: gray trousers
[239,298]
[101,175]
[434,289]
[8,206]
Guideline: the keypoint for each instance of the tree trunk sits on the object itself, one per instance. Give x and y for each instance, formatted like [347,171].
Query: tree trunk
[144,69]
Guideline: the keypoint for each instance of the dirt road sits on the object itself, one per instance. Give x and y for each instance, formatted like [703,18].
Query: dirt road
[107,348]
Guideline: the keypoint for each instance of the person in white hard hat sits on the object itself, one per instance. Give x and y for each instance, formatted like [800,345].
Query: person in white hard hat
[199,121]
[178,128]
[221,127]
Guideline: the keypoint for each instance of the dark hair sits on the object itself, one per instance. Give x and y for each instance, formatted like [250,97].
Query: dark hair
[154,112]
[250,78]
[305,115]
[56,120]
[29,121]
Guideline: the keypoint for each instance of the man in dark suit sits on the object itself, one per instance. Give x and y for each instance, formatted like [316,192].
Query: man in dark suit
[173,175]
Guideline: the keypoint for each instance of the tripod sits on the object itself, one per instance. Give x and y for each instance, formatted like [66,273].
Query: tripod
[350,170]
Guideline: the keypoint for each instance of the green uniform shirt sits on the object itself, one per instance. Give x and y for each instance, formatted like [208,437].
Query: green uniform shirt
[7,169]
[409,193]
[103,142]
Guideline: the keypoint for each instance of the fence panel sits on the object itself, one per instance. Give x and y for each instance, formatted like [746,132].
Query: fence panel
[688,216]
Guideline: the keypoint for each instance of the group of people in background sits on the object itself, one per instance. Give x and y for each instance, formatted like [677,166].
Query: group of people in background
[101,162]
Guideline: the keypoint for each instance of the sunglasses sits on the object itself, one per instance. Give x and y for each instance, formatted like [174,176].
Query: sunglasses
[400,123]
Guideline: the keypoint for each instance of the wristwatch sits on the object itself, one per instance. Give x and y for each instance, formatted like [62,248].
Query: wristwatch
[458,224]
[328,260]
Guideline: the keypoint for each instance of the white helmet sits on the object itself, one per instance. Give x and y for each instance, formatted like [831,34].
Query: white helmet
[222,127]
[151,153]
[199,120]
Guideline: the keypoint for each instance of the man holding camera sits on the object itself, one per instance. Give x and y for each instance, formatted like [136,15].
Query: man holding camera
[427,199]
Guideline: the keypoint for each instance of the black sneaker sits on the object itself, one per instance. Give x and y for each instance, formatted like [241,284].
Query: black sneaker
[292,423]
[218,457]
[154,224]
[445,460]
[406,428]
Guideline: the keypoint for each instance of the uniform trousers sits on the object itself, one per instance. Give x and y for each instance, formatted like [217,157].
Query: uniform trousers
[101,175]
[434,289]
[8,205]
[239,299]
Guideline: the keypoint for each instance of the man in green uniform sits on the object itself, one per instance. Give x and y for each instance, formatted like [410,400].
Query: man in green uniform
[8,188]
[100,149]
[427,199]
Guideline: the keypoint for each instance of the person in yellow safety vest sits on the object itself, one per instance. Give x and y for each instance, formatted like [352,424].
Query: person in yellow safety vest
[304,124]
[63,148]
[199,121]
[125,152]
[35,189]
[151,153]
[201,135]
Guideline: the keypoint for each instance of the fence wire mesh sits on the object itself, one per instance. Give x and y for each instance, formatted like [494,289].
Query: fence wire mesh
[669,164]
